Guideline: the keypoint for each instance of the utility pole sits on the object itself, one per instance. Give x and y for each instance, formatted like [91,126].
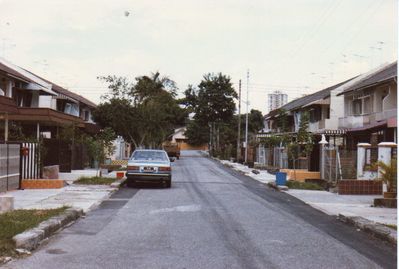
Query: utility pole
[246,122]
[239,122]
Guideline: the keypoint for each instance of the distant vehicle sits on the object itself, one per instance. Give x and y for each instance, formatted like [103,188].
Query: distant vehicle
[172,149]
[149,165]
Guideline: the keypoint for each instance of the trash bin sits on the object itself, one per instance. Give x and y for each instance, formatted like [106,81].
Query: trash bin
[281,178]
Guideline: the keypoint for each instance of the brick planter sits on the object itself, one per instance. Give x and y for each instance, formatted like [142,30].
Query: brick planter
[361,187]
[42,184]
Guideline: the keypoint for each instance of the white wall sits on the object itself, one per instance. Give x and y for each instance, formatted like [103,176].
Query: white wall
[45,101]
[390,101]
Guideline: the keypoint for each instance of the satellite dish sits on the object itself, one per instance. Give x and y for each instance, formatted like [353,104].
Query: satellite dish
[127,13]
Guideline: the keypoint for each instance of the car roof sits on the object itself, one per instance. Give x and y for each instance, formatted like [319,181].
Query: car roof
[155,150]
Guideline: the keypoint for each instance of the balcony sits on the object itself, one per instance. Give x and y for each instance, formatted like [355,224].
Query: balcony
[318,125]
[8,105]
[46,116]
[353,121]
[385,115]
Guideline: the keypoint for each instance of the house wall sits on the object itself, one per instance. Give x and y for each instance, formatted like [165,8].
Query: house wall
[337,109]
[178,135]
[390,101]
[47,101]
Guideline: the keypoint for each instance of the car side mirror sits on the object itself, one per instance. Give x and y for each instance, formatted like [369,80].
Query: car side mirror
[172,159]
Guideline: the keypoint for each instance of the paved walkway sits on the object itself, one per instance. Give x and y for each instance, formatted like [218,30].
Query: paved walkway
[84,197]
[330,203]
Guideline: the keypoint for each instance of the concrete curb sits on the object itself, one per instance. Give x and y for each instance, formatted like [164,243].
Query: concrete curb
[31,239]
[375,229]
[118,183]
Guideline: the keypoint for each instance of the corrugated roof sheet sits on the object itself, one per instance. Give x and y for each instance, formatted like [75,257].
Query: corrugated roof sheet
[382,74]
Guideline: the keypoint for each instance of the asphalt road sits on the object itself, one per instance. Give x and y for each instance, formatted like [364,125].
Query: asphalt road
[212,217]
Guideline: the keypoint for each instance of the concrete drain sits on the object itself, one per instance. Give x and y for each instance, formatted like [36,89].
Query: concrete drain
[55,251]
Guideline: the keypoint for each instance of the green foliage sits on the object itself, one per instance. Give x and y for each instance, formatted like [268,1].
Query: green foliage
[18,221]
[389,174]
[100,145]
[95,181]
[282,120]
[213,105]
[303,185]
[197,134]
[143,113]
[303,143]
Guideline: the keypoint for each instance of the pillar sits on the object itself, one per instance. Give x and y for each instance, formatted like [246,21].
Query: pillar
[361,158]
[385,153]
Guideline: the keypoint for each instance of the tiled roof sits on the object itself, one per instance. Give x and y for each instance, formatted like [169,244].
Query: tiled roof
[300,102]
[58,89]
[382,74]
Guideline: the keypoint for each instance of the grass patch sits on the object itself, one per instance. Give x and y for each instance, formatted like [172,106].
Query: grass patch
[95,180]
[17,221]
[392,226]
[303,185]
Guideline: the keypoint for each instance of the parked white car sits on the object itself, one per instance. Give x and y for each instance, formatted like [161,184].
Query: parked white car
[148,165]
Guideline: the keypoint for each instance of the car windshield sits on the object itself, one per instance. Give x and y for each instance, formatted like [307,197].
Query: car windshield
[142,155]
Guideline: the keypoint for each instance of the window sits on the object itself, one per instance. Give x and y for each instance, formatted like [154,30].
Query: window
[357,107]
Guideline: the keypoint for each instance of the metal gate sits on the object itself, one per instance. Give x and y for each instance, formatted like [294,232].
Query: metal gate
[10,156]
[331,165]
[30,163]
[337,164]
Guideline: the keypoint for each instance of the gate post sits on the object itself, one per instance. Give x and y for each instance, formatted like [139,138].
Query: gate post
[323,142]
[361,158]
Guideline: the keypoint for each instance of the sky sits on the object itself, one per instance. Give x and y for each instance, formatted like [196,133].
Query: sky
[296,46]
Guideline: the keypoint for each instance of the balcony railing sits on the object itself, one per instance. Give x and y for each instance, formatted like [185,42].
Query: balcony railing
[387,114]
[8,105]
[362,120]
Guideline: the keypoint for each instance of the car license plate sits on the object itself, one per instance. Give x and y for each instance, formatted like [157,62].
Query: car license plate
[149,169]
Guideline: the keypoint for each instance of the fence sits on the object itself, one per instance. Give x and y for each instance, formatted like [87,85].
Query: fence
[275,157]
[30,163]
[338,164]
[9,166]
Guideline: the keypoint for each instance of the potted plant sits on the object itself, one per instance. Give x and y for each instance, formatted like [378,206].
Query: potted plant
[389,177]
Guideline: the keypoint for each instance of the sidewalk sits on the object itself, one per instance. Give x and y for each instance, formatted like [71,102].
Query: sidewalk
[330,203]
[85,197]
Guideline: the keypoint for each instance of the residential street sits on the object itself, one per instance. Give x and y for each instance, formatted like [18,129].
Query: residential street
[212,217]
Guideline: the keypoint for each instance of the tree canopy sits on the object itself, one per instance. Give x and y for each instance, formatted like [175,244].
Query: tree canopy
[143,112]
[213,104]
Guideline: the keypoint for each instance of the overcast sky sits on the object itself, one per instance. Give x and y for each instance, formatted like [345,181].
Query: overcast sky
[295,46]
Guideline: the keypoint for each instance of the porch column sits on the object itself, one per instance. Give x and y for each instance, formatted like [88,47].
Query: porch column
[323,142]
[6,127]
[9,89]
[361,158]
[38,131]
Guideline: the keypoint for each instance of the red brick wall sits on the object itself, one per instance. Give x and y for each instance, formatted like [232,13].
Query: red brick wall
[365,187]
[42,184]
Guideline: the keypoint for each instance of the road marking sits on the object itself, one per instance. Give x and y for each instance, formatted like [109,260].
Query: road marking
[182,208]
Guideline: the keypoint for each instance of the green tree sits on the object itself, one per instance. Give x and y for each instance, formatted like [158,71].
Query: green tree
[213,105]
[302,145]
[144,112]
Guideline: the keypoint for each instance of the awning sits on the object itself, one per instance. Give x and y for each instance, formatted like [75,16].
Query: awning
[64,97]
[377,124]
[332,132]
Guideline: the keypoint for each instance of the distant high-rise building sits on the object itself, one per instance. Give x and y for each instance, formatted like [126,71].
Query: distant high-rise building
[276,99]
